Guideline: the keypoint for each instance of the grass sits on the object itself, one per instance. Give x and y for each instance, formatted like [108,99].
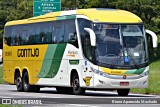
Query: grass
[154,83]
[1,75]
[2,105]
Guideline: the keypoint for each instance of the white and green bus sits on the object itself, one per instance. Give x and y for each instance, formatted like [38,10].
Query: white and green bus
[77,50]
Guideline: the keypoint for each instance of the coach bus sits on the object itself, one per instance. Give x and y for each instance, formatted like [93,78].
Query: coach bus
[77,50]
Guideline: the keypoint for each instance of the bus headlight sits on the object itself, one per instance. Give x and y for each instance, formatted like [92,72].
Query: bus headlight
[145,73]
[99,72]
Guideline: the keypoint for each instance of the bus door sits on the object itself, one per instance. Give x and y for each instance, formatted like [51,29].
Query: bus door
[87,73]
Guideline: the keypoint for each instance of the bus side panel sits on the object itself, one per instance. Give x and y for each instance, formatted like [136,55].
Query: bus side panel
[8,75]
[60,78]
[53,68]
[87,73]
[33,68]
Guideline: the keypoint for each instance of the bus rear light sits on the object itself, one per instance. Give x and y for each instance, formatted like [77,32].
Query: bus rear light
[124,83]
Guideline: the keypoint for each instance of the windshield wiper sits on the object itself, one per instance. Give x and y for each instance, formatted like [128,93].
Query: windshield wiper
[115,61]
[134,61]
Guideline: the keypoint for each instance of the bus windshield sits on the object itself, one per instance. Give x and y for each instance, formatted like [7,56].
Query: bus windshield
[120,45]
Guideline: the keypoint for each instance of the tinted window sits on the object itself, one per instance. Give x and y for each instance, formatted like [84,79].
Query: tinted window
[41,33]
[8,32]
[15,36]
[24,34]
[32,34]
[85,38]
[70,33]
[38,33]
[59,32]
[46,33]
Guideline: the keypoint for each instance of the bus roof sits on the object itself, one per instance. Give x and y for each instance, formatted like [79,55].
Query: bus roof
[94,14]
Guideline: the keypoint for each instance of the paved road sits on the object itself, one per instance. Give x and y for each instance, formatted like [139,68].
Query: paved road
[91,98]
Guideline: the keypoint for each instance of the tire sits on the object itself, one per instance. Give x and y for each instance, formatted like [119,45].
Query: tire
[19,83]
[77,90]
[26,85]
[123,92]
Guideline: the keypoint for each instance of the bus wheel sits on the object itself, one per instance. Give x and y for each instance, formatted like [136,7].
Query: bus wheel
[123,92]
[19,83]
[26,84]
[77,90]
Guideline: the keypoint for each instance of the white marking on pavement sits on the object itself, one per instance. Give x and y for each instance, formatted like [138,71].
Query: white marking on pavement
[5,97]
[80,105]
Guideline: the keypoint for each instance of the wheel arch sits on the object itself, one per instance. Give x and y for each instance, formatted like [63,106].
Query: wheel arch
[17,71]
[75,71]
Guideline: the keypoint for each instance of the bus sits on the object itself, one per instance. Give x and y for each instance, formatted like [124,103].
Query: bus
[77,50]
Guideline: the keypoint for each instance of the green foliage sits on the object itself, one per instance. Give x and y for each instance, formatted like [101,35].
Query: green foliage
[1,74]
[14,10]
[4,105]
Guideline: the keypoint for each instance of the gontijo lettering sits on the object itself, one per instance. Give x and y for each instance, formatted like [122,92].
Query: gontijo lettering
[28,52]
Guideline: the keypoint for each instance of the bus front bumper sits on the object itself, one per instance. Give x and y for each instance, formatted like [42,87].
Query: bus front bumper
[103,82]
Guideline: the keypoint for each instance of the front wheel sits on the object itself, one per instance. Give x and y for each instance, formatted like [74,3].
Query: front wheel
[123,92]
[77,90]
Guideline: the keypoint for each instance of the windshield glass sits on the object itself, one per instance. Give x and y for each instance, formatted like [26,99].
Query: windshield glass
[119,44]
[134,42]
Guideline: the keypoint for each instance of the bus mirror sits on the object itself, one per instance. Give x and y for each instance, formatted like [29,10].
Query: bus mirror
[72,37]
[92,36]
[154,38]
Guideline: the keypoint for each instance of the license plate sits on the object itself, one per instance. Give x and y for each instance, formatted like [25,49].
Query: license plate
[124,83]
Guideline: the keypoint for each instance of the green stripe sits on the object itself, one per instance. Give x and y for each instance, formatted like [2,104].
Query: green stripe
[135,71]
[56,62]
[52,61]
[74,62]
[66,17]
[139,71]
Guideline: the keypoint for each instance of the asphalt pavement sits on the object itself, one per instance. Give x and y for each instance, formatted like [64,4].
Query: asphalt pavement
[50,97]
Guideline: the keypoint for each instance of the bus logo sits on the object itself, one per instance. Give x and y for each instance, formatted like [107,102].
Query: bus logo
[87,80]
[28,52]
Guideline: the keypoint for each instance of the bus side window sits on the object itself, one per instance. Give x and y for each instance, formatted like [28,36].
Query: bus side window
[53,32]
[24,35]
[46,35]
[85,38]
[37,34]
[15,37]
[59,32]
[32,34]
[8,33]
[70,33]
